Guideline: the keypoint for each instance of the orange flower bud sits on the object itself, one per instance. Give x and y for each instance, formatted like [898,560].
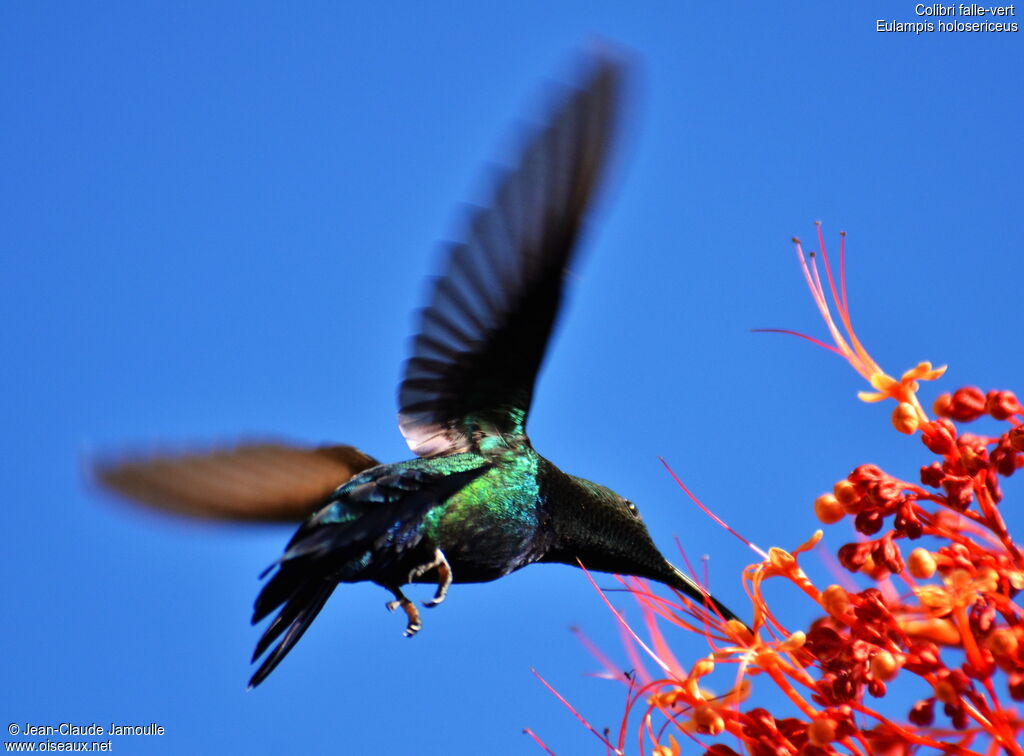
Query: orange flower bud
[884,666]
[905,418]
[1002,642]
[941,405]
[921,563]
[708,721]
[828,509]
[821,732]
[847,495]
[835,600]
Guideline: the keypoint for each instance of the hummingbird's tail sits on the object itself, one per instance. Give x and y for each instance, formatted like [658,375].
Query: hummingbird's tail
[372,524]
[303,599]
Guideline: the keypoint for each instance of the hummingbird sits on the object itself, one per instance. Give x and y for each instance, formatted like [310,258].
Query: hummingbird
[478,501]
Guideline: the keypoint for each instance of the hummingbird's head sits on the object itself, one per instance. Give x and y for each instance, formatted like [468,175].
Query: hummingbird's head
[604,532]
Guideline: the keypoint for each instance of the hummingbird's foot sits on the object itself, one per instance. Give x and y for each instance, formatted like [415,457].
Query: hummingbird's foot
[444,579]
[414,624]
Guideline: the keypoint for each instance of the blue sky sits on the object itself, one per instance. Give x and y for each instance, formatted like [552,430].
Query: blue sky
[217,219]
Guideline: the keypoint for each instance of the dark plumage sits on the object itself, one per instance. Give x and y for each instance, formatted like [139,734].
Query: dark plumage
[478,502]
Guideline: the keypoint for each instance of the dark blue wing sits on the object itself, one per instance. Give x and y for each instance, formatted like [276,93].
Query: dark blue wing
[483,336]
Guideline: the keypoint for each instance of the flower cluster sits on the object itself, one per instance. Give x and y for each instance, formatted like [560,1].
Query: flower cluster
[943,573]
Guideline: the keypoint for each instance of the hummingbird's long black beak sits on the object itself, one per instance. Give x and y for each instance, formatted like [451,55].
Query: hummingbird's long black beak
[683,582]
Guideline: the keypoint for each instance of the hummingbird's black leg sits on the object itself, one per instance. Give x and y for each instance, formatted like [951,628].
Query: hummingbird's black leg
[410,609]
[444,579]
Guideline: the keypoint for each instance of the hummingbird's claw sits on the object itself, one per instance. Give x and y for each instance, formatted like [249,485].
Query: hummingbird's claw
[444,576]
[444,579]
[413,626]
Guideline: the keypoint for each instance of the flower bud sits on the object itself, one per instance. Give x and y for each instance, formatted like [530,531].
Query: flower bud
[835,600]
[966,404]
[939,436]
[1015,684]
[932,475]
[853,555]
[1002,642]
[873,569]
[884,666]
[1002,405]
[1016,438]
[847,495]
[923,713]
[921,563]
[828,509]
[821,732]
[905,418]
[869,522]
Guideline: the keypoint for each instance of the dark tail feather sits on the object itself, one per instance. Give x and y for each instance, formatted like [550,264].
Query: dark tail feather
[299,611]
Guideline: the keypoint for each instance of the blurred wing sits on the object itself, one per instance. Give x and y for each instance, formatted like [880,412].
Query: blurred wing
[483,336]
[267,482]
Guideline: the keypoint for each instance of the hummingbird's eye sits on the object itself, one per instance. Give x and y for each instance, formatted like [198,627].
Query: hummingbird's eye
[631,507]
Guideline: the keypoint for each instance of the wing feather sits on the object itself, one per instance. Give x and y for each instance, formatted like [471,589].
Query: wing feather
[259,482]
[483,335]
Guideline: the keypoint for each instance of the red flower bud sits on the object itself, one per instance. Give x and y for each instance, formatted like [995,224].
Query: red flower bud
[864,475]
[869,522]
[1016,437]
[939,436]
[923,713]
[966,404]
[1004,458]
[882,492]
[1003,405]
[959,493]
[906,521]
[887,553]
[932,475]
[853,555]
[957,715]
[1016,685]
